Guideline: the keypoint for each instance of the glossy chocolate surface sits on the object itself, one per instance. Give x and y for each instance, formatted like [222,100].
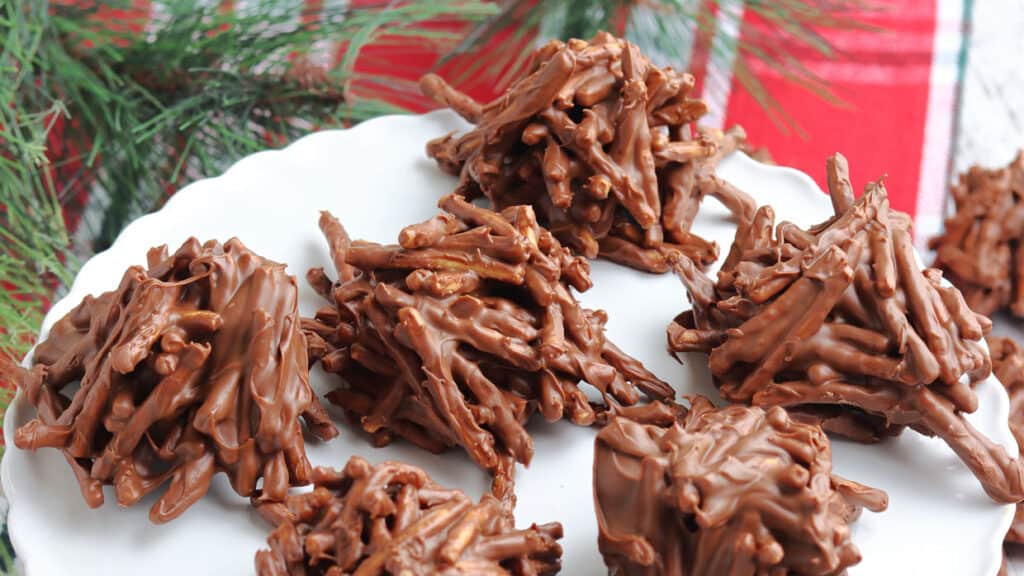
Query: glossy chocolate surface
[734,491]
[841,325]
[458,333]
[194,366]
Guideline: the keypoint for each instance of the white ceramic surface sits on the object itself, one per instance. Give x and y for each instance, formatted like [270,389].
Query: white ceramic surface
[376,178]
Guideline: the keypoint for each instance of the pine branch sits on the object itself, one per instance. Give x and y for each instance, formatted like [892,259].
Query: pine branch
[232,83]
[33,239]
[133,115]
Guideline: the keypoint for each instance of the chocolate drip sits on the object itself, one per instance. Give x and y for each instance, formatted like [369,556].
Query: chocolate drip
[454,336]
[600,142]
[192,367]
[841,325]
[393,519]
[1008,366]
[980,250]
[732,491]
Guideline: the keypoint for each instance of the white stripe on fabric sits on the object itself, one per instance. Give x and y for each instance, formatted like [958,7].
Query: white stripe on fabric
[991,115]
[718,81]
[665,36]
[938,129]
[325,51]
[286,14]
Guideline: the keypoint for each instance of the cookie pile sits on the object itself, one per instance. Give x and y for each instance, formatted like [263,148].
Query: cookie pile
[980,248]
[841,325]
[458,333]
[735,490]
[193,366]
[602,144]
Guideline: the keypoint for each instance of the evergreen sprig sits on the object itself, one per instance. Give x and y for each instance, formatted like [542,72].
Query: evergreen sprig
[131,110]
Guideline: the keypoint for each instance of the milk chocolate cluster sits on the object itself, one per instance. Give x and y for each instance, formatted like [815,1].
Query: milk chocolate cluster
[840,324]
[194,366]
[1008,366]
[600,142]
[980,250]
[455,335]
[393,519]
[737,490]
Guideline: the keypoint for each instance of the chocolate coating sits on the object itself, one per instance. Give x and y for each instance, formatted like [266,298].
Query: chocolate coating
[600,142]
[841,325]
[980,249]
[456,335]
[192,367]
[733,491]
[393,519]
[1008,365]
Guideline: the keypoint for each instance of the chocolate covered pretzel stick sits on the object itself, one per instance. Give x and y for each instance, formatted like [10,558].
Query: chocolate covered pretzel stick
[600,143]
[393,519]
[841,325]
[737,490]
[980,249]
[192,367]
[457,334]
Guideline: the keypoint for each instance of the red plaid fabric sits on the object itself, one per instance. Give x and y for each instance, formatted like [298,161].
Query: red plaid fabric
[897,87]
